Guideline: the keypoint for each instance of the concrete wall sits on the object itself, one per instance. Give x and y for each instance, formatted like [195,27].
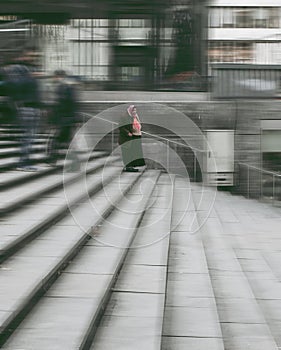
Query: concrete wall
[244,116]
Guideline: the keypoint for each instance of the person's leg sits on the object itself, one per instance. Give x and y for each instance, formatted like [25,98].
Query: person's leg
[55,144]
[126,150]
[72,154]
[25,137]
[138,160]
[33,125]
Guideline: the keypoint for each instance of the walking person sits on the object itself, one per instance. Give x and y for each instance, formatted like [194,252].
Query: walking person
[130,140]
[22,88]
[63,115]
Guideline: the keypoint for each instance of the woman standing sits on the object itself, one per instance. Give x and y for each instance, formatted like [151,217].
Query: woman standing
[130,140]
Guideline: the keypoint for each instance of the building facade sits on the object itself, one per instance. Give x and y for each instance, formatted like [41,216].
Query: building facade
[244,31]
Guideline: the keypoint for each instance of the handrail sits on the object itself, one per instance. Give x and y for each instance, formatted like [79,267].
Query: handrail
[149,134]
[260,169]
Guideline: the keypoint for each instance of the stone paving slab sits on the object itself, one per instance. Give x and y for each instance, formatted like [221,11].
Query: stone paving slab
[235,292]
[13,161]
[41,328]
[134,315]
[80,285]
[248,336]
[128,304]
[125,333]
[186,259]
[191,322]
[48,216]
[194,343]
[12,177]
[33,266]
[262,235]
[17,150]
[240,310]
[226,276]
[66,292]
[143,279]
[190,305]
[14,197]
[151,254]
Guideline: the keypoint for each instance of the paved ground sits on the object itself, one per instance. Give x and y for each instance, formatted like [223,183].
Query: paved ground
[174,265]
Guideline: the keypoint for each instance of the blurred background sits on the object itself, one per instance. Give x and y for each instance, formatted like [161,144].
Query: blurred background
[147,45]
[114,44]
[226,50]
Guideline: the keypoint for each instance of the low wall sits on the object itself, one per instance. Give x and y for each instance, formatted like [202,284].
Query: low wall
[244,116]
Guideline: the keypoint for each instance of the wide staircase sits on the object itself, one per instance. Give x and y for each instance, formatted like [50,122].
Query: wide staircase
[100,259]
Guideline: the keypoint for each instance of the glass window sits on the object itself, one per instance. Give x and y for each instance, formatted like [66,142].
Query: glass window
[244,18]
[133,23]
[230,51]
[130,73]
[273,17]
[261,17]
[215,16]
[227,18]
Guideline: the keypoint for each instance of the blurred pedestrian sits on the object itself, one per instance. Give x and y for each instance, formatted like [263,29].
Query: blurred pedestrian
[130,140]
[23,90]
[63,115]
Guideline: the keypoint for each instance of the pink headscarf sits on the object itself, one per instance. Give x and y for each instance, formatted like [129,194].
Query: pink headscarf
[131,111]
[133,114]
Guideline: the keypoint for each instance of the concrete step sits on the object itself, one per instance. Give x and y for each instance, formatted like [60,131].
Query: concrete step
[23,226]
[134,314]
[14,198]
[83,288]
[10,159]
[16,136]
[242,320]
[4,144]
[12,162]
[16,151]
[9,179]
[191,318]
[257,242]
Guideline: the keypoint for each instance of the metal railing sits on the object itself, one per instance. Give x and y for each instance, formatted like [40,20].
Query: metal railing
[255,182]
[165,140]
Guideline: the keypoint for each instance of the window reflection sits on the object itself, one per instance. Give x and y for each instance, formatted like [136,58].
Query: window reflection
[244,17]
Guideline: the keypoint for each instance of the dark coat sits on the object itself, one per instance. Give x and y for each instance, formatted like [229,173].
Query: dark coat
[125,127]
[65,107]
[21,86]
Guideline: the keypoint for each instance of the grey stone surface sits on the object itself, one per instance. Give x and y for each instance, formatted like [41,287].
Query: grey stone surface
[223,288]
[232,286]
[133,318]
[135,305]
[59,233]
[79,285]
[187,260]
[96,260]
[149,253]
[189,285]
[239,310]
[194,343]
[53,325]
[90,282]
[125,333]
[248,336]
[139,278]
[30,221]
[191,322]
